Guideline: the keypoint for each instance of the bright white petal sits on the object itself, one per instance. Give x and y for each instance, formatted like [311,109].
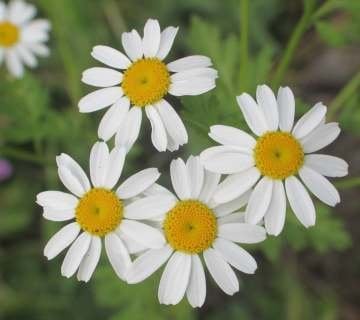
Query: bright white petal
[232,206]
[180,179]
[231,136]
[99,163]
[196,290]
[70,181]
[111,57]
[131,245]
[137,183]
[54,214]
[166,41]
[326,165]
[132,44]
[286,104]
[147,263]
[61,240]
[236,256]
[151,39]
[190,74]
[192,87]
[20,12]
[211,181]
[319,186]
[75,255]
[13,63]
[116,163]
[101,77]
[275,214]
[3,11]
[253,114]
[189,62]
[242,232]
[236,217]
[309,121]
[196,175]
[26,56]
[56,199]
[221,272]
[90,260]
[300,201]
[158,132]
[267,102]
[175,279]
[100,99]
[118,255]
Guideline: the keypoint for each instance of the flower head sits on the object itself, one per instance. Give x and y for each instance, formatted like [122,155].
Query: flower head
[279,152]
[143,83]
[21,37]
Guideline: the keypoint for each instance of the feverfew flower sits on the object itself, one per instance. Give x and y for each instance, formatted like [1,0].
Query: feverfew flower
[280,152]
[21,37]
[196,226]
[143,83]
[100,212]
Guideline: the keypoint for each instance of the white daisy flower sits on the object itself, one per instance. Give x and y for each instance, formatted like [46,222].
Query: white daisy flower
[21,37]
[144,82]
[99,212]
[195,225]
[279,153]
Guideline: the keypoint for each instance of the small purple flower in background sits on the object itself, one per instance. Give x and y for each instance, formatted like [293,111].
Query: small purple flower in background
[6,169]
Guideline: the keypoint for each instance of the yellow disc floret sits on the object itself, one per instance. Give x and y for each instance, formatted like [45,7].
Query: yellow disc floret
[278,155]
[146,81]
[190,226]
[99,211]
[9,34]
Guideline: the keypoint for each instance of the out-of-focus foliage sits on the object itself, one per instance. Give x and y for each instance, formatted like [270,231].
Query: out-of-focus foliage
[39,119]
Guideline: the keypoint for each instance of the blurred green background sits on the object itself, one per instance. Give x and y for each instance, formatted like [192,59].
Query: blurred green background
[312,46]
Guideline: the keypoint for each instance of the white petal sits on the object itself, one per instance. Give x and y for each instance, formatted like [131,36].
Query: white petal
[232,206]
[236,217]
[56,199]
[113,118]
[236,256]
[275,214]
[242,232]
[180,179]
[90,260]
[320,137]
[132,44]
[129,130]
[286,104]
[111,57]
[99,163]
[70,181]
[143,234]
[326,165]
[196,175]
[132,246]
[221,272]
[137,183]
[211,181]
[151,39]
[192,87]
[75,169]
[172,122]
[61,240]
[100,99]
[54,214]
[231,136]
[300,201]
[147,263]
[156,189]
[3,11]
[101,77]
[235,185]
[309,121]
[13,63]
[118,255]
[189,62]
[253,114]
[195,73]
[319,186]
[39,49]
[26,56]
[20,12]
[116,163]
[166,41]
[196,290]
[158,133]
[149,207]
[75,255]
[175,278]
[267,102]
[259,201]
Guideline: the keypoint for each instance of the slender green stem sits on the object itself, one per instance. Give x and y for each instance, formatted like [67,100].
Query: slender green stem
[22,155]
[350,88]
[244,43]
[348,183]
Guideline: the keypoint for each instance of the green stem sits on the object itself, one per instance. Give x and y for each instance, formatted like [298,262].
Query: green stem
[350,88]
[22,155]
[348,183]
[244,43]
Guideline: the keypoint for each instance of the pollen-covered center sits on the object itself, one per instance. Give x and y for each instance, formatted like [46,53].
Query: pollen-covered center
[9,34]
[146,81]
[278,155]
[190,226]
[99,211]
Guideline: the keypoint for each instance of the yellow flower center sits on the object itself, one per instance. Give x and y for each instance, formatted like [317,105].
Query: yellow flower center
[146,81]
[99,211]
[278,155]
[190,226]
[9,34]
